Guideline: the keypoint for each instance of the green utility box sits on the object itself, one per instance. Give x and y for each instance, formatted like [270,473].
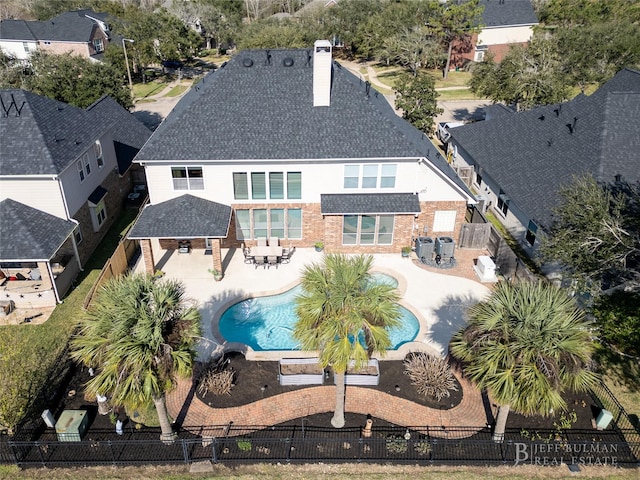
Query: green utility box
[72,425]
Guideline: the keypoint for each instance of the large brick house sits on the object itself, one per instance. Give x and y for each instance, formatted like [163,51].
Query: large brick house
[287,144]
[80,32]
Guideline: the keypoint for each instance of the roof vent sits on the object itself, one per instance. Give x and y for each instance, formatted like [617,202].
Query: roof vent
[557,110]
[268,57]
[288,62]
[541,117]
[247,62]
[308,62]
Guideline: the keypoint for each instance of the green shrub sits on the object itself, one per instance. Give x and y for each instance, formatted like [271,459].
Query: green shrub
[618,319]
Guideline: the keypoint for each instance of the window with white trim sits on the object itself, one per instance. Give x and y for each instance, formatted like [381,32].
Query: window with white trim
[284,223]
[503,203]
[77,235]
[532,231]
[371,175]
[367,229]
[98,215]
[444,221]
[258,182]
[84,167]
[98,45]
[187,178]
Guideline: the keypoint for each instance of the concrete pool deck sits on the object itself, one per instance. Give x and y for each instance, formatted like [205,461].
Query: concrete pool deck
[438,300]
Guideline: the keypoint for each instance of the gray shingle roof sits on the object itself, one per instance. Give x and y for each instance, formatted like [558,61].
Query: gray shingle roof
[183,217]
[16,30]
[363,203]
[72,26]
[41,136]
[531,154]
[266,112]
[500,13]
[40,235]
[129,134]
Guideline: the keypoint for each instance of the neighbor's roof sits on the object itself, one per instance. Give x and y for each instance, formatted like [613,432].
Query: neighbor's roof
[129,134]
[41,136]
[184,216]
[73,26]
[364,203]
[265,112]
[503,13]
[40,235]
[16,30]
[531,154]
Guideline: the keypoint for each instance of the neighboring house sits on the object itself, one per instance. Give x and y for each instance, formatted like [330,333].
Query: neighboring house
[64,176]
[506,23]
[288,144]
[81,32]
[522,159]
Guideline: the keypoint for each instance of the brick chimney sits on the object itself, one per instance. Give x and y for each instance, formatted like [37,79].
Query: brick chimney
[322,73]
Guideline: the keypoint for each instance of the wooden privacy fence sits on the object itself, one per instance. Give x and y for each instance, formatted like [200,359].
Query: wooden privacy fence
[118,264]
[480,233]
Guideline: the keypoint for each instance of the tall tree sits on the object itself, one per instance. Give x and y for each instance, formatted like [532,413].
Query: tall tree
[416,96]
[526,344]
[527,76]
[412,49]
[76,80]
[454,19]
[139,336]
[596,233]
[345,316]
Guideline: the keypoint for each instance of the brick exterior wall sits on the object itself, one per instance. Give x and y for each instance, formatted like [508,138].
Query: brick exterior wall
[147,256]
[59,48]
[328,229]
[118,188]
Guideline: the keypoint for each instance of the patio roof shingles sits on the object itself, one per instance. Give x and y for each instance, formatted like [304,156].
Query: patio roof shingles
[183,217]
[363,203]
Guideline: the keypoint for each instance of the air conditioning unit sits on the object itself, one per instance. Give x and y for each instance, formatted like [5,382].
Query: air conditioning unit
[482,203]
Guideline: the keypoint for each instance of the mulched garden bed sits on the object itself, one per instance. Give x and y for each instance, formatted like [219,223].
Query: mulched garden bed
[255,380]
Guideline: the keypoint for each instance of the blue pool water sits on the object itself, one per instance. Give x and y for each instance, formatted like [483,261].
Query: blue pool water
[266,323]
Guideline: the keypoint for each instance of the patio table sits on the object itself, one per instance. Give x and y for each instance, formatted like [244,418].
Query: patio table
[266,251]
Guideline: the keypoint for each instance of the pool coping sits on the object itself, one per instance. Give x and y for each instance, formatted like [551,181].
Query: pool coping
[275,355]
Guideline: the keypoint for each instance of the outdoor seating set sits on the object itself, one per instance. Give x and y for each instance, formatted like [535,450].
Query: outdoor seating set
[267,255]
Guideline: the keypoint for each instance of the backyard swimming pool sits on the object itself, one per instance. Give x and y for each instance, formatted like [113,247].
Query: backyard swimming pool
[266,323]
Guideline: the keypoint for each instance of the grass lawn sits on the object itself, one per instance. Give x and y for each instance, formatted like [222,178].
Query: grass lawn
[143,90]
[459,94]
[27,352]
[324,471]
[177,90]
[622,376]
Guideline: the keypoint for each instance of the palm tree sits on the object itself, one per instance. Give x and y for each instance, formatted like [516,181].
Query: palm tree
[526,344]
[138,335]
[344,315]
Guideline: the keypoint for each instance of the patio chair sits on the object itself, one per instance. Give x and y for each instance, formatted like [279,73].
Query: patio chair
[259,261]
[248,258]
[274,241]
[286,255]
[272,260]
[262,241]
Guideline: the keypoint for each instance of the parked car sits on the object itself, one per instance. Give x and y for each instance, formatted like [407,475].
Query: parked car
[174,64]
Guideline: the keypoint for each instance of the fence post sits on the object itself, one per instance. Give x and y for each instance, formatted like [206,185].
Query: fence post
[113,456]
[40,453]
[289,445]
[360,448]
[185,451]
[504,448]
[213,450]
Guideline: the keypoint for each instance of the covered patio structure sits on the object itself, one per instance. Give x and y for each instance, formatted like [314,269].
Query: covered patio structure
[185,225]
[38,256]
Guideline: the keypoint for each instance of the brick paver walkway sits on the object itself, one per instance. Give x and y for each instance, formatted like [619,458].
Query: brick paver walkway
[192,413]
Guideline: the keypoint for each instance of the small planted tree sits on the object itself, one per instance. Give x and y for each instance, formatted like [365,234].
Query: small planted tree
[431,375]
[139,336]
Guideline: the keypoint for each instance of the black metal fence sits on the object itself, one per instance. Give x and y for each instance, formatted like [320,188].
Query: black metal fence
[415,445]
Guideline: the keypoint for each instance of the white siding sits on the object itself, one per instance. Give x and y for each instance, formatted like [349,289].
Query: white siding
[16,48]
[77,192]
[502,35]
[41,194]
[317,179]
